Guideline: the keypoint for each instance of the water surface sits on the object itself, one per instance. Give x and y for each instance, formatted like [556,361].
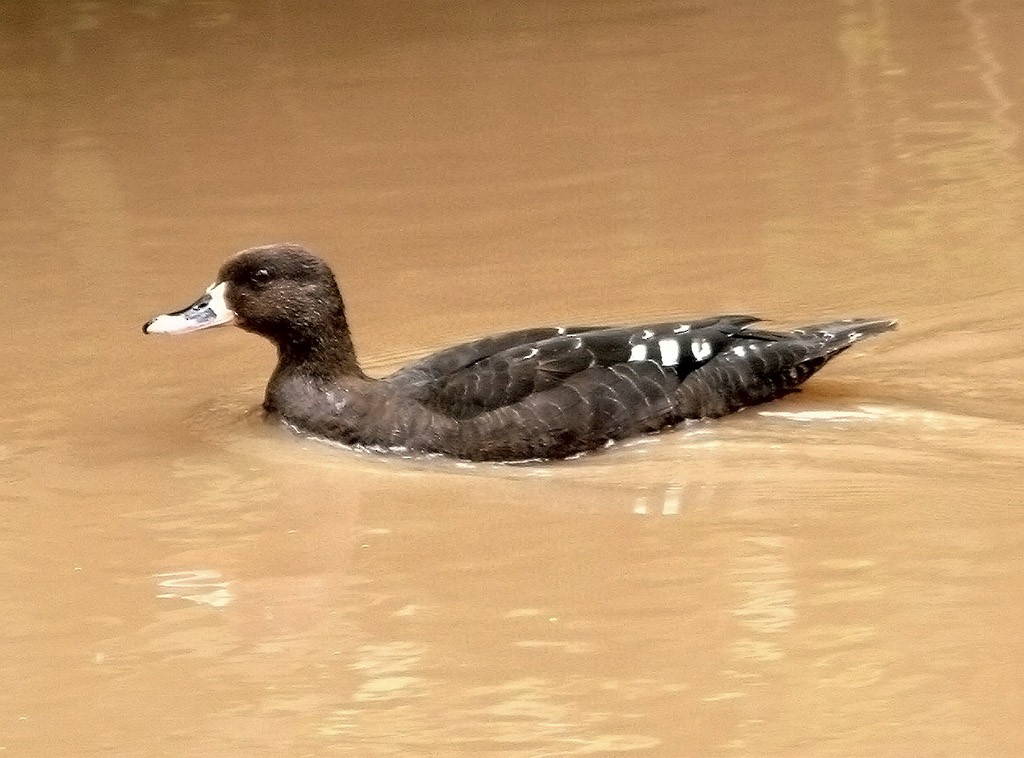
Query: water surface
[836,574]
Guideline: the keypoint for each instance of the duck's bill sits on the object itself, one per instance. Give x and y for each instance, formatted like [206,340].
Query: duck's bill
[208,311]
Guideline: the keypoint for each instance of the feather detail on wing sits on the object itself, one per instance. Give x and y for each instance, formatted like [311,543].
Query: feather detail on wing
[467,380]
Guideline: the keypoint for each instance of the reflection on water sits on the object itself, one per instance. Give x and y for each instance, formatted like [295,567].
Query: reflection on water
[198,586]
[831,575]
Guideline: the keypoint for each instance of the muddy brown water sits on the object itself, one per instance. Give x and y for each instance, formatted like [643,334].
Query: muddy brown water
[836,574]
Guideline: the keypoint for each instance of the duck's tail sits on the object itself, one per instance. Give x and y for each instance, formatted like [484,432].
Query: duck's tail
[836,336]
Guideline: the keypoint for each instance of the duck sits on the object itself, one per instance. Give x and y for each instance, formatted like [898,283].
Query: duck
[540,393]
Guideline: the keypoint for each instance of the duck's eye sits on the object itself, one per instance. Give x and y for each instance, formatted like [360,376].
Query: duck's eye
[261,277]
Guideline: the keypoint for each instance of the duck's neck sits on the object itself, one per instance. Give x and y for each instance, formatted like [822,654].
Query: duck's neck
[333,357]
[325,353]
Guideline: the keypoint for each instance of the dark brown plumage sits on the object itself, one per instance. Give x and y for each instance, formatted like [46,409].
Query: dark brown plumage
[535,393]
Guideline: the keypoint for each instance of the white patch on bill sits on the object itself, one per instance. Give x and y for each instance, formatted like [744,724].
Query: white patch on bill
[218,303]
[185,321]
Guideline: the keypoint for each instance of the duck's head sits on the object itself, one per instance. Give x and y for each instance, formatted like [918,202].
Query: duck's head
[282,292]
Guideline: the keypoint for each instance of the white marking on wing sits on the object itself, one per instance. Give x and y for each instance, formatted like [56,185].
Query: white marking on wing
[638,353]
[647,334]
[669,352]
[682,328]
[701,349]
[739,350]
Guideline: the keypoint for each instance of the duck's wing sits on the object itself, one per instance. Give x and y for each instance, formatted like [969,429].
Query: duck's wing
[669,375]
[650,361]
[448,362]
[755,365]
